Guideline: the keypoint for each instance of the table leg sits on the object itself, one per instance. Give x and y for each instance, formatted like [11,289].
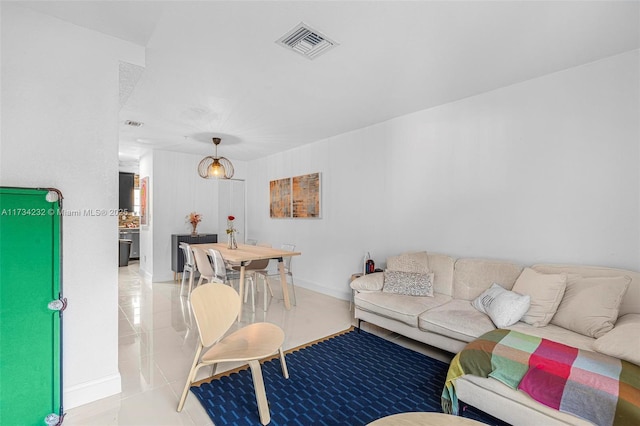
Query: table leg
[283,279]
[241,289]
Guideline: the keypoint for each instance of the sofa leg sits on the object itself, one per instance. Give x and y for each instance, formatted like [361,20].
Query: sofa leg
[359,322]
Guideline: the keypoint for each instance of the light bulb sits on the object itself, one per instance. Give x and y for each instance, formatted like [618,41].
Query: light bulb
[216,170]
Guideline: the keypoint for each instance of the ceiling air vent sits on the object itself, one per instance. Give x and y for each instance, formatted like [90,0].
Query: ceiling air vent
[306,41]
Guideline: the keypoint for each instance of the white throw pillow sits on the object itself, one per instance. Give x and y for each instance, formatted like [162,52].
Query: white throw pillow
[504,307]
[545,290]
[409,283]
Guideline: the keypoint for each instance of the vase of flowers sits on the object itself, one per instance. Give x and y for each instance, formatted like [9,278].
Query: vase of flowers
[231,233]
[194,219]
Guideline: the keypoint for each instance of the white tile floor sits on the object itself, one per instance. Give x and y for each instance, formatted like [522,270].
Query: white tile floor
[157,345]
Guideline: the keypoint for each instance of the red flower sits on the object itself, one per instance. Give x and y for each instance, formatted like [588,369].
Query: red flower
[231,218]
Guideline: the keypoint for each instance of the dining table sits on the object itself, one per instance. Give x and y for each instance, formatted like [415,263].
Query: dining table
[245,254]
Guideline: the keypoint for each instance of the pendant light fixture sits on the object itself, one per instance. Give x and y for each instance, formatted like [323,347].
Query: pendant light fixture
[215,167]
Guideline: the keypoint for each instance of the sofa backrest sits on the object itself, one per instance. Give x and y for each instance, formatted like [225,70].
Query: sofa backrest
[441,265]
[630,301]
[473,276]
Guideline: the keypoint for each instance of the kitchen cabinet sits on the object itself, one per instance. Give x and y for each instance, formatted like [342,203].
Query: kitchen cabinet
[126,191]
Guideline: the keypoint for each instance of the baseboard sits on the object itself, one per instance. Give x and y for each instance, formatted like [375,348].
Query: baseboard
[338,294]
[146,275]
[94,390]
[161,277]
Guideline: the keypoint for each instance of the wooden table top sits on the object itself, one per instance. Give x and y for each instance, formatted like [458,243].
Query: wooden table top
[246,252]
[424,419]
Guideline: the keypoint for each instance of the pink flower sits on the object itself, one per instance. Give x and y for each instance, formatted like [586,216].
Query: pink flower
[194,218]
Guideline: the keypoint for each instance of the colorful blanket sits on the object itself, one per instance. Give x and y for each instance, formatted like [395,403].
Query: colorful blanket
[601,389]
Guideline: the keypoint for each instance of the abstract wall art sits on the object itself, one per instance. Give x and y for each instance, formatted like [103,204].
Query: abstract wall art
[296,197]
[306,195]
[280,198]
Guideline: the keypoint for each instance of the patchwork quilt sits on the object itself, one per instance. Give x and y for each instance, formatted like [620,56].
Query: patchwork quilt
[589,385]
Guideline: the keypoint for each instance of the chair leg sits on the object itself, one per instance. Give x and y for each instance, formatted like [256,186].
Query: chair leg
[191,278]
[264,291]
[266,280]
[261,394]
[253,295]
[184,277]
[190,377]
[283,364]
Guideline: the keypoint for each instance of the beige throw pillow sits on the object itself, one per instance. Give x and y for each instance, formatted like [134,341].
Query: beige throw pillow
[590,305]
[546,292]
[368,283]
[623,341]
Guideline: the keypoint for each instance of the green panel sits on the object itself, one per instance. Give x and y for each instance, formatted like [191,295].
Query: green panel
[29,331]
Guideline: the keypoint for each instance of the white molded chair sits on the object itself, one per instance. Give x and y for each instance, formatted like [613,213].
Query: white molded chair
[225,274]
[287,270]
[189,266]
[204,266]
[215,308]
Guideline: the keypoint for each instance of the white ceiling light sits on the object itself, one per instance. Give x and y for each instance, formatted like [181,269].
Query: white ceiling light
[306,41]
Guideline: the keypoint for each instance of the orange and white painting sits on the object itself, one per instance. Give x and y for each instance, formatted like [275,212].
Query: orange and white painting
[280,198]
[306,196]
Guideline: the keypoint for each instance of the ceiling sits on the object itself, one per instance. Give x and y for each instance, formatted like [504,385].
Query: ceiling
[213,67]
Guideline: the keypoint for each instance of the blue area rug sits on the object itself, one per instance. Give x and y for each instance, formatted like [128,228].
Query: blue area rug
[350,379]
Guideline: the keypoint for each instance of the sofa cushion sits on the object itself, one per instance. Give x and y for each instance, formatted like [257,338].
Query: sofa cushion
[556,334]
[369,282]
[409,283]
[410,262]
[546,292]
[473,276]
[440,264]
[504,307]
[590,305]
[397,306]
[457,319]
[631,300]
[623,341]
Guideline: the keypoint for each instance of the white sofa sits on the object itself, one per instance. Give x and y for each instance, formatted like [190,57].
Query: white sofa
[449,321]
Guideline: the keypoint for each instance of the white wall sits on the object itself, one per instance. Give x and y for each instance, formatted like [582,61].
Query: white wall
[60,129]
[542,171]
[145,170]
[176,190]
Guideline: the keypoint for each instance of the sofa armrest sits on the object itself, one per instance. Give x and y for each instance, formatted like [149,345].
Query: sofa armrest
[368,283]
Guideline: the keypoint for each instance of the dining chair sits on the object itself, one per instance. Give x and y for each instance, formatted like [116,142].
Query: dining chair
[253,271]
[225,274]
[287,270]
[189,266]
[204,266]
[215,308]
